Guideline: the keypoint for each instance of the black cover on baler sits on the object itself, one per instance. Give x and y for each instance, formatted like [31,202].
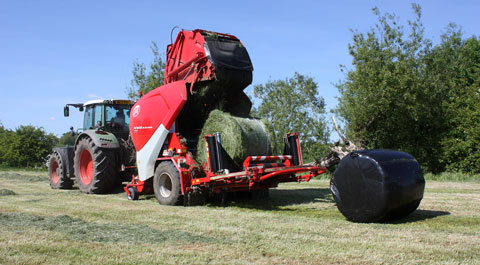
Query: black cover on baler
[377,185]
[228,53]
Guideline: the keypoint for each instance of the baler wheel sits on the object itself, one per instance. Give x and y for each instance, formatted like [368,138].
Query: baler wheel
[133,194]
[57,173]
[94,167]
[166,184]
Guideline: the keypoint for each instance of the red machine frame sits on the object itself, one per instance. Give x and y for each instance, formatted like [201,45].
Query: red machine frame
[259,172]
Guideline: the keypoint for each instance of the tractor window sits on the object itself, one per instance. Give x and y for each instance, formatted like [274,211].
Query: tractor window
[88,118]
[98,116]
[117,117]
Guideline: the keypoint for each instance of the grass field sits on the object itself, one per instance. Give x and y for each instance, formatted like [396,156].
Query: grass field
[298,224]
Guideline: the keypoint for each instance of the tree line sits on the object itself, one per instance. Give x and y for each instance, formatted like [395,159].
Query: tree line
[403,92]
[28,146]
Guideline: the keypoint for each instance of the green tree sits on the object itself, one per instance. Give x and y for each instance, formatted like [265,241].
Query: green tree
[27,146]
[66,139]
[144,81]
[404,93]
[7,138]
[294,105]
[33,145]
[455,66]
[386,100]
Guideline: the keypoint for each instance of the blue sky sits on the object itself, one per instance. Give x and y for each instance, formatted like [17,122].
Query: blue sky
[58,52]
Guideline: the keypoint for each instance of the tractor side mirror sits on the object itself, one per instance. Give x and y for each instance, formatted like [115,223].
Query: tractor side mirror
[66,111]
[72,131]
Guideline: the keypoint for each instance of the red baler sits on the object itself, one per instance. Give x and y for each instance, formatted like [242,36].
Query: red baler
[165,125]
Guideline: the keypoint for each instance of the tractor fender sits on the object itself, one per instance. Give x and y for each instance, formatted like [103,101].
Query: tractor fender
[66,157]
[100,138]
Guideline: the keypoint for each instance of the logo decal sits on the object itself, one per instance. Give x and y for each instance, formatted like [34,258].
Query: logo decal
[136,111]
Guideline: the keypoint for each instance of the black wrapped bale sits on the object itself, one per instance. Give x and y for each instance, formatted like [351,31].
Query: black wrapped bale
[377,185]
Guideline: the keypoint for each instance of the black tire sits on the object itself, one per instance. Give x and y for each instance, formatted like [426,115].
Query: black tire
[166,184]
[57,173]
[99,177]
[134,194]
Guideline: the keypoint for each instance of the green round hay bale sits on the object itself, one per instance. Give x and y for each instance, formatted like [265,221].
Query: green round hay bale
[241,137]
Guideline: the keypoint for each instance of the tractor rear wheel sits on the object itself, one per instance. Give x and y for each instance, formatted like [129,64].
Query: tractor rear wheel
[58,173]
[95,169]
[166,184]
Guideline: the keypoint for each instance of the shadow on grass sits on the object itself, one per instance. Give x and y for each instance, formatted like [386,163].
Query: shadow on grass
[279,198]
[419,215]
[117,190]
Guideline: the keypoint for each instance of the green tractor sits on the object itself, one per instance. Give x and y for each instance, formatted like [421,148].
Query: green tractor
[103,155]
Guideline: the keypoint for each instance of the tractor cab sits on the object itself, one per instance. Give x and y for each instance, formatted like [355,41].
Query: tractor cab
[109,115]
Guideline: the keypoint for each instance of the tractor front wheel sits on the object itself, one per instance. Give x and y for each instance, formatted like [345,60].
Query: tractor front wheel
[57,173]
[134,194]
[166,184]
[95,169]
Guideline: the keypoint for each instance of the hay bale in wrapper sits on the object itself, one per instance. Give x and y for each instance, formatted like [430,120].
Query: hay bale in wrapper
[206,97]
[241,137]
